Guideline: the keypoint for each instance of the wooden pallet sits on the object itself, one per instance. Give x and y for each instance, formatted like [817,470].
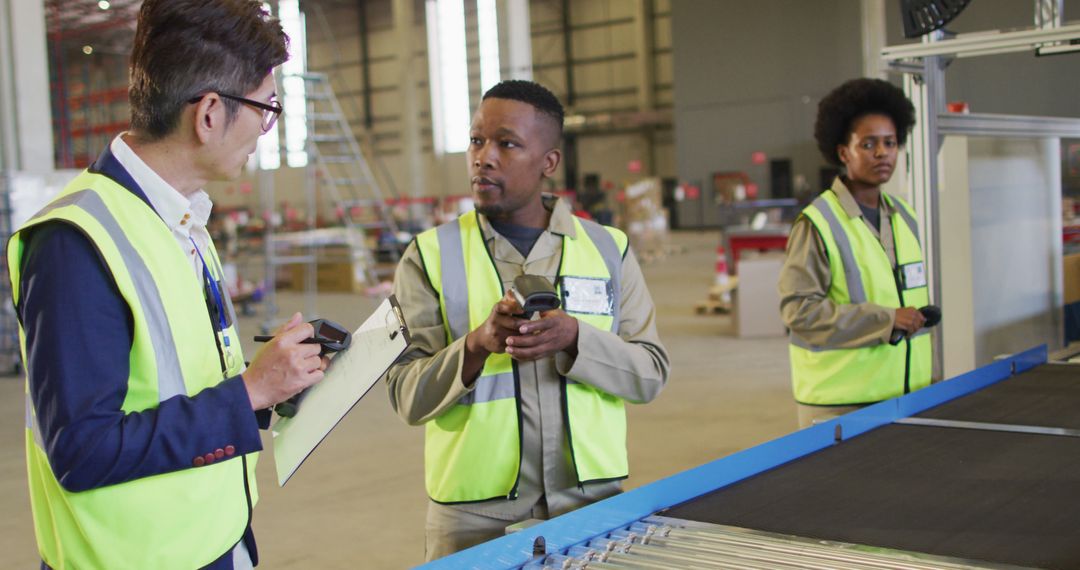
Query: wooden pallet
[712,307]
[714,303]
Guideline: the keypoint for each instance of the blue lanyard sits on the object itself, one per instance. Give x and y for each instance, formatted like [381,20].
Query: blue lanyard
[215,291]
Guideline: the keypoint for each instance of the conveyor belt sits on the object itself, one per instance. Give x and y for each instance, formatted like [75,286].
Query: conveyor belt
[1045,396]
[981,471]
[954,492]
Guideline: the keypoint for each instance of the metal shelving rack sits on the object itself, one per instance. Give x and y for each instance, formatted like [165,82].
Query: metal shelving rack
[88,52]
[10,354]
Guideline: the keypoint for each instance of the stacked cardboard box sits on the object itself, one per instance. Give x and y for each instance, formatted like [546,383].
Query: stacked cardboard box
[337,269]
[644,219]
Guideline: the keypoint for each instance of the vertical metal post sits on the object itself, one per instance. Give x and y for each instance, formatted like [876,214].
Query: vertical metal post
[517,38]
[927,92]
[1049,14]
[28,51]
[365,65]
[9,339]
[872,13]
[265,180]
[646,72]
[8,125]
[410,108]
[311,185]
[570,154]
[643,60]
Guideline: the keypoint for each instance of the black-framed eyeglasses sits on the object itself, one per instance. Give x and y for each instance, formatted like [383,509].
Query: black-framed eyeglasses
[270,111]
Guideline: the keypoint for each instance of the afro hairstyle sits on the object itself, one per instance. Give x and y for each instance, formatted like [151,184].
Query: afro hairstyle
[854,99]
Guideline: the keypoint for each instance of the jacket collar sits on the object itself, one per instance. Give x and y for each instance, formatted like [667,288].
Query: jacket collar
[107,165]
[850,206]
[561,221]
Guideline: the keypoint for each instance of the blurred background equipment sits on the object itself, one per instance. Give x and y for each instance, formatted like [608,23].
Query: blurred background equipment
[921,17]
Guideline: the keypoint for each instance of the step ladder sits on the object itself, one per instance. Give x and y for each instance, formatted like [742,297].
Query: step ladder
[345,174]
[339,170]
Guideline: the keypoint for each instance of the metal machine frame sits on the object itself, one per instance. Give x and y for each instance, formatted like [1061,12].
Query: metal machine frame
[923,66]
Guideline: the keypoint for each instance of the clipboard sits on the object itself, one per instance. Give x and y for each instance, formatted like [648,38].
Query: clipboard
[376,345]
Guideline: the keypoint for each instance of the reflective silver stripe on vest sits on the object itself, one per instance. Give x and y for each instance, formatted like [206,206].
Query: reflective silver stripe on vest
[911,224]
[856,293]
[609,251]
[32,425]
[170,376]
[489,389]
[455,287]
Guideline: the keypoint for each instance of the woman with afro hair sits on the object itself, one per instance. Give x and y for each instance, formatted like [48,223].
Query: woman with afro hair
[854,271]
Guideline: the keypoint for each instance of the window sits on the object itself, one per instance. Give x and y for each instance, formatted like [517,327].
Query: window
[449,75]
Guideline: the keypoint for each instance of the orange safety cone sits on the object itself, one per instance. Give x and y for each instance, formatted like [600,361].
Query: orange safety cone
[722,277]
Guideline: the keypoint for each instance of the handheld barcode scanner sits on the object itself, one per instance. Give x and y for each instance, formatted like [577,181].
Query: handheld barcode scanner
[332,337]
[931,313]
[535,294]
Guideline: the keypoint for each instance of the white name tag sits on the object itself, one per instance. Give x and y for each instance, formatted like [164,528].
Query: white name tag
[588,295]
[914,275]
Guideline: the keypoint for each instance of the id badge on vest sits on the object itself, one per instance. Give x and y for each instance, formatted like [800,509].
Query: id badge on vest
[587,295]
[912,275]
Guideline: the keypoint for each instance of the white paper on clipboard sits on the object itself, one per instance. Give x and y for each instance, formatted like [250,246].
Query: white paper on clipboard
[375,346]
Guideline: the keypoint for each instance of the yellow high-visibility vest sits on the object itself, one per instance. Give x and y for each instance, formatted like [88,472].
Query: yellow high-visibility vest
[472,451]
[861,273]
[180,520]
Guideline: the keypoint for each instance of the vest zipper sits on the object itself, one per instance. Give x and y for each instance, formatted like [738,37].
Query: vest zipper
[569,434]
[900,294]
[513,493]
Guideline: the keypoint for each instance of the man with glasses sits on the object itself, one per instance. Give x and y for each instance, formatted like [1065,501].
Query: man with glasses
[142,422]
[270,111]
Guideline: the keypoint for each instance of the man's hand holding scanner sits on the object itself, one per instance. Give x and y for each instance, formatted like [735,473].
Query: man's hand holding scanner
[285,365]
[541,337]
[555,331]
[909,320]
[490,337]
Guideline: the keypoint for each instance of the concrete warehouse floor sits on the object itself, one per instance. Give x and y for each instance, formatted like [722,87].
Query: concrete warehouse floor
[359,502]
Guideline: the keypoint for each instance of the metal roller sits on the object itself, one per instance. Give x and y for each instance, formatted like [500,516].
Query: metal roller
[663,543]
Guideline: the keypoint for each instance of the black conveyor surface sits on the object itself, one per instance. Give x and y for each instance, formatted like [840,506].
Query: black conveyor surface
[1000,497]
[1046,396]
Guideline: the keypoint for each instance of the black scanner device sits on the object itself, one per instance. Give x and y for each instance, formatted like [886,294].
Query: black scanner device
[932,314]
[332,338]
[535,294]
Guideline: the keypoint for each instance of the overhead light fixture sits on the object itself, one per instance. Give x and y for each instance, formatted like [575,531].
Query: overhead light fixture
[103,4]
[88,50]
[924,16]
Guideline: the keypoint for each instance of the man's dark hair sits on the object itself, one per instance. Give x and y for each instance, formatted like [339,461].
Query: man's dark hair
[532,93]
[185,48]
[855,99]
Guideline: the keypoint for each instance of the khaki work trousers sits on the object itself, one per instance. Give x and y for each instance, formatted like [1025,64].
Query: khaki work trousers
[450,530]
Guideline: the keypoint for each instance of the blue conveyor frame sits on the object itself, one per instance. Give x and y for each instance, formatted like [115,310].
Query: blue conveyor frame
[600,518]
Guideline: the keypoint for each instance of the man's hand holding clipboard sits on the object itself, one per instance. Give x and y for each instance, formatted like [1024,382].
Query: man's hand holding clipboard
[375,346]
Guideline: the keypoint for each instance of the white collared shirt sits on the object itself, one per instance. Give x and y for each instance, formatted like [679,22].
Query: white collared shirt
[186,217]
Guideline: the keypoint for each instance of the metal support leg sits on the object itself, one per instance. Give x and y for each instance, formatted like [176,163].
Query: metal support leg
[927,92]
